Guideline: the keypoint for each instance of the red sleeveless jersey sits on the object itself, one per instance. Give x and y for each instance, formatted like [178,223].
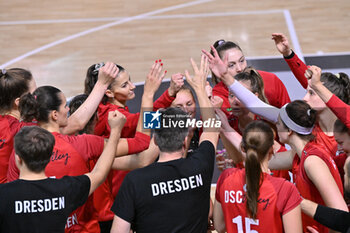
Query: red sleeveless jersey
[328,141]
[305,186]
[277,197]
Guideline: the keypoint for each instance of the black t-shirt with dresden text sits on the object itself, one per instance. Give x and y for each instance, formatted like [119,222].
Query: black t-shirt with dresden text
[170,196]
[41,205]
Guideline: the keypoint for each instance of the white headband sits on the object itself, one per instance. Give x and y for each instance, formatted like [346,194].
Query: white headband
[292,125]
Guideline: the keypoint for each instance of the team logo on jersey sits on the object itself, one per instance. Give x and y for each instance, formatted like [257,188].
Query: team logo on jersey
[151,120]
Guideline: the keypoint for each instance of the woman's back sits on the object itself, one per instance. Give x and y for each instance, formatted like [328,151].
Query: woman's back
[277,197]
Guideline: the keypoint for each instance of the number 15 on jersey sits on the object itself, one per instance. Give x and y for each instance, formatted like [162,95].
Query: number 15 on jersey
[248,222]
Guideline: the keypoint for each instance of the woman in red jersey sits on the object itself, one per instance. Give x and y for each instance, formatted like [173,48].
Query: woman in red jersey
[250,79]
[315,173]
[116,97]
[13,84]
[323,130]
[274,89]
[16,82]
[337,105]
[333,84]
[309,178]
[249,199]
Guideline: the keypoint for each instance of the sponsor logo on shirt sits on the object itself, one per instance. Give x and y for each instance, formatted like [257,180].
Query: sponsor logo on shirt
[56,156]
[239,197]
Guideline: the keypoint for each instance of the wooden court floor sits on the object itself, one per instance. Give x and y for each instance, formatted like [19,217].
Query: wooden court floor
[59,40]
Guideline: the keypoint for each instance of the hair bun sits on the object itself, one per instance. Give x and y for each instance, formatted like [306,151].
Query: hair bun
[218,43]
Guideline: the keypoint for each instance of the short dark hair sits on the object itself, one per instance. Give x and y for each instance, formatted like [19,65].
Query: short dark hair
[340,127]
[171,139]
[338,84]
[34,145]
[75,103]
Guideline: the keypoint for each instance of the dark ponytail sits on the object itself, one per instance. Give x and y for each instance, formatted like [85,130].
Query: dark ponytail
[28,107]
[39,104]
[221,46]
[253,181]
[338,84]
[92,77]
[257,140]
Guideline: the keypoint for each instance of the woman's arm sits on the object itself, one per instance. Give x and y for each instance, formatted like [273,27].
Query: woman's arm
[230,138]
[82,115]
[332,218]
[292,221]
[198,83]
[219,219]
[296,65]
[134,161]
[318,172]
[282,160]
[252,102]
[165,100]
[338,107]
[116,120]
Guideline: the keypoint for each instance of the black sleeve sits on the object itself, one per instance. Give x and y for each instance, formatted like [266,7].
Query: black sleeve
[332,218]
[290,56]
[124,205]
[205,153]
[79,187]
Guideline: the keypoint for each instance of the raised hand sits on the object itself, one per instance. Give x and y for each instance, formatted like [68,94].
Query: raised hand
[176,83]
[116,119]
[216,101]
[154,77]
[108,73]
[199,80]
[225,126]
[313,74]
[218,67]
[282,44]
